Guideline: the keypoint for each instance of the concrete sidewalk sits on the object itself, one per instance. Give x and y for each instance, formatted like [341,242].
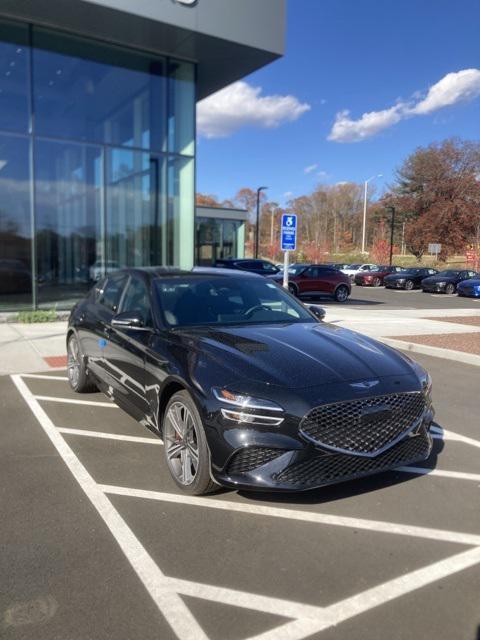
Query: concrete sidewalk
[39,347]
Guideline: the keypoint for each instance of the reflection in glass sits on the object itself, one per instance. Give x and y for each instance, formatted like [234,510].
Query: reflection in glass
[14,99]
[216,239]
[98,93]
[15,232]
[68,194]
[135,209]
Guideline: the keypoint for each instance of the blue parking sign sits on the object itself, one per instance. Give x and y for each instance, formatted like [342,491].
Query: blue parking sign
[289,232]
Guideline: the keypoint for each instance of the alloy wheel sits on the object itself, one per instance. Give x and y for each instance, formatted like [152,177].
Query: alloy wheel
[181,442]
[341,294]
[73,362]
[377,282]
[409,285]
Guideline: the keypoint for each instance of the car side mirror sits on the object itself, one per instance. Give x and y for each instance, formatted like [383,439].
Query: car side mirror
[318,312]
[129,320]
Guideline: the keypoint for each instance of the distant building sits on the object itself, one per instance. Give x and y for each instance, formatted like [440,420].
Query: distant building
[97,135]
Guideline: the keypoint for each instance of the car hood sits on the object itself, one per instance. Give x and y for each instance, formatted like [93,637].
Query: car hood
[297,355]
[400,275]
[470,281]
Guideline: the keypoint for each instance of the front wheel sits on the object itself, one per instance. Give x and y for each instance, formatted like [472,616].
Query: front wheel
[293,289]
[76,368]
[341,293]
[409,285]
[377,282]
[186,450]
[450,288]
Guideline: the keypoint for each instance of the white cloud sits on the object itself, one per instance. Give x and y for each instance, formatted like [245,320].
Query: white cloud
[288,195]
[453,88]
[347,130]
[310,168]
[240,105]
[323,174]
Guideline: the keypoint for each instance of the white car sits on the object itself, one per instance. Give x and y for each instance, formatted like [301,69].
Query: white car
[353,269]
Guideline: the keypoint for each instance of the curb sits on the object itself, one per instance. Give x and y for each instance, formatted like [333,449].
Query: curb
[437,352]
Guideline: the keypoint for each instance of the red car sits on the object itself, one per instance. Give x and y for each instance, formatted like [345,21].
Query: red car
[317,279]
[375,277]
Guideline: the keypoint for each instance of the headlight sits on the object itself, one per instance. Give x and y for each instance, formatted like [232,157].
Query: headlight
[248,410]
[401,280]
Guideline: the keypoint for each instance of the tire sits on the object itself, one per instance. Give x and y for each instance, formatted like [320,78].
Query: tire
[186,450]
[377,282]
[409,284]
[77,371]
[450,288]
[293,289]
[341,293]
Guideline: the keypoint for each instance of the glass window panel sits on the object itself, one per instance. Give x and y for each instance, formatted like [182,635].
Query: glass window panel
[135,229]
[14,100]
[181,108]
[90,91]
[15,225]
[69,204]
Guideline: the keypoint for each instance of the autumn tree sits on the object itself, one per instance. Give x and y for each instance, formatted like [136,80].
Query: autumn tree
[437,190]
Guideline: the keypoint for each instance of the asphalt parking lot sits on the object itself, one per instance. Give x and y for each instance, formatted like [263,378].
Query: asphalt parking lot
[380,298]
[97,543]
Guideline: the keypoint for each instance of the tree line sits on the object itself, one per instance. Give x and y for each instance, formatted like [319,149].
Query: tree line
[435,193]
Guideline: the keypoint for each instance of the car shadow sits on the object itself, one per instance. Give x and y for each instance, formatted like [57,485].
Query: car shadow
[349,489]
[348,303]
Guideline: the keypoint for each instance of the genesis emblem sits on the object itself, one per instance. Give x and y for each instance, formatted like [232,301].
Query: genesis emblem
[368,384]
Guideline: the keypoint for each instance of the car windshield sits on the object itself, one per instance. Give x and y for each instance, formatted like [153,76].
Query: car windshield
[448,273]
[196,301]
[295,269]
[411,272]
[354,266]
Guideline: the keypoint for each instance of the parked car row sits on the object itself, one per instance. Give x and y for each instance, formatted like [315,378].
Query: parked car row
[335,279]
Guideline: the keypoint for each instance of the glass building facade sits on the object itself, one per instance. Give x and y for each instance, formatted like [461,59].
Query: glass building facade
[97,163]
[217,238]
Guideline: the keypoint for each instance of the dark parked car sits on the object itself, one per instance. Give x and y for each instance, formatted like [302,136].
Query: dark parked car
[446,281]
[261,267]
[469,288]
[317,279]
[246,386]
[408,279]
[375,277]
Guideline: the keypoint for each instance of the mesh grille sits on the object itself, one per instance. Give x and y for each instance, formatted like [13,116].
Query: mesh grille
[339,466]
[251,458]
[366,425]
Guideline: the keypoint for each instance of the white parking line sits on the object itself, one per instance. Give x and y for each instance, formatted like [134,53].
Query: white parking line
[458,475]
[295,514]
[171,605]
[371,598]
[91,403]
[451,435]
[109,436]
[38,376]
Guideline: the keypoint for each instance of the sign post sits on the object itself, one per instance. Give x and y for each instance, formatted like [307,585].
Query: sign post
[434,248]
[289,241]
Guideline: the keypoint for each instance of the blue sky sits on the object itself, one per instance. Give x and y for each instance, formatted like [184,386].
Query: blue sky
[413,65]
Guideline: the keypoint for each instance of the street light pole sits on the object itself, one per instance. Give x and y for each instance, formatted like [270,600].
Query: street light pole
[257,224]
[365,193]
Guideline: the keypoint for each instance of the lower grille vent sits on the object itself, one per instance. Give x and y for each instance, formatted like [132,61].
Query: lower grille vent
[250,458]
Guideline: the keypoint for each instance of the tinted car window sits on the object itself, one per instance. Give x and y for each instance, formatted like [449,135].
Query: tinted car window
[112,292]
[137,299]
[249,264]
[268,266]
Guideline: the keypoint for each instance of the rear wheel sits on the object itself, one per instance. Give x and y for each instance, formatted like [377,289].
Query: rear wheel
[377,282]
[293,289]
[450,288]
[186,450]
[341,293]
[76,368]
[409,285]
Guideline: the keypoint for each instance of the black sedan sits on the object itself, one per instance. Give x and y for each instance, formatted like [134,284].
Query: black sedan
[408,279]
[246,385]
[446,281]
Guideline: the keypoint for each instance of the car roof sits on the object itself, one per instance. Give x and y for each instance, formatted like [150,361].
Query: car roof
[166,272]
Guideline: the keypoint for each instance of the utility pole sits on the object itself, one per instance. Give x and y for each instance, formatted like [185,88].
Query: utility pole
[392,227]
[257,224]
[365,198]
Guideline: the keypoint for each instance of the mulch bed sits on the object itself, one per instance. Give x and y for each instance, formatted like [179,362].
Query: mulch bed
[470,320]
[467,342]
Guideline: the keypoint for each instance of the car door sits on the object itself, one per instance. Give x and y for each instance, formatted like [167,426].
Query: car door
[308,281]
[125,349]
[94,332]
[326,281]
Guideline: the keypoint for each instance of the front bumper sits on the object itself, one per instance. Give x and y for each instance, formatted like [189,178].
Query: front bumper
[434,288]
[272,468]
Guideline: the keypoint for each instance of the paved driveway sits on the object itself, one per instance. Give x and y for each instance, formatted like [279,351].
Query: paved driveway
[97,542]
